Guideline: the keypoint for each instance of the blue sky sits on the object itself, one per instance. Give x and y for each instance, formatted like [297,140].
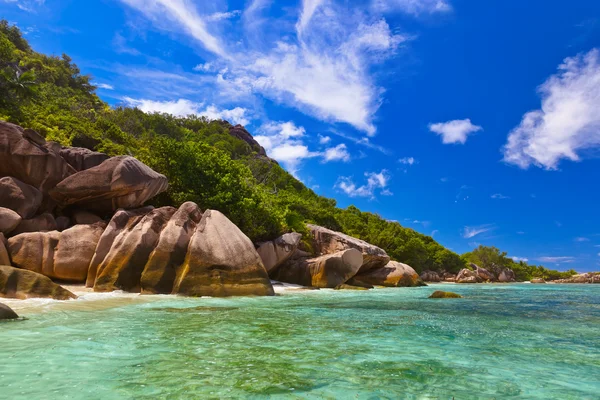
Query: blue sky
[477,122]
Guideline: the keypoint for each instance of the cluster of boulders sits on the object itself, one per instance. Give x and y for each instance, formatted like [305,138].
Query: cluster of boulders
[474,274]
[74,215]
[329,259]
[590,277]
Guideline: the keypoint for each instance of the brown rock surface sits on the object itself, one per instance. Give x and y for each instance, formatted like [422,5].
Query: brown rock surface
[119,182]
[9,220]
[221,261]
[507,275]
[327,271]
[20,197]
[4,257]
[81,158]
[430,276]
[19,283]
[467,276]
[276,252]
[41,223]
[394,274]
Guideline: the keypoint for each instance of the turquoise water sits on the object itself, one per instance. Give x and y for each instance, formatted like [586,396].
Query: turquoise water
[500,341]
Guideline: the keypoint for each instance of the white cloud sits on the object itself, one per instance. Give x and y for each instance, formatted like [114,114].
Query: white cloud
[472,231]
[375,181]
[120,46]
[499,196]
[206,67]
[237,115]
[415,7]
[455,131]
[181,107]
[557,260]
[104,86]
[568,121]
[308,9]
[337,153]
[324,139]
[218,16]
[581,239]
[517,259]
[407,161]
[25,5]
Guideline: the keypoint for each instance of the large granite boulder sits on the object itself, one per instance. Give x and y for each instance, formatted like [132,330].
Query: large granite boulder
[119,182]
[394,274]
[9,220]
[221,261]
[41,223]
[326,241]
[589,277]
[81,158]
[19,283]
[484,274]
[121,220]
[507,275]
[61,255]
[327,271]
[20,197]
[169,254]
[430,276]
[29,158]
[275,252]
[7,313]
[467,276]
[124,263]
[4,257]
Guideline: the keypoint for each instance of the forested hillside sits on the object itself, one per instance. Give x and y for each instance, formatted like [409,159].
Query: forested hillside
[202,160]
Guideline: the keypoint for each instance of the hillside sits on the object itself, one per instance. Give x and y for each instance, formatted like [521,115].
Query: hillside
[211,163]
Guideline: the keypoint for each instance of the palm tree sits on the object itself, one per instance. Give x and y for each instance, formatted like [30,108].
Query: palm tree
[22,82]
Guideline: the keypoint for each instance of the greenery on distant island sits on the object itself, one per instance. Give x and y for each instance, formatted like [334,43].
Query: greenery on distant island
[202,161]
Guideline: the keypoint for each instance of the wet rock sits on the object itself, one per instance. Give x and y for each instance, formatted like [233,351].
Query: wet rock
[327,271]
[438,294]
[345,286]
[9,220]
[20,197]
[7,313]
[276,252]
[394,274]
[119,182]
[19,283]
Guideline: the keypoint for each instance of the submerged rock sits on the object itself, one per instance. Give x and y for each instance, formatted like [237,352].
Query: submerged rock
[20,197]
[345,286]
[438,294]
[7,313]
[326,241]
[18,283]
[119,182]
[327,271]
[276,252]
[393,274]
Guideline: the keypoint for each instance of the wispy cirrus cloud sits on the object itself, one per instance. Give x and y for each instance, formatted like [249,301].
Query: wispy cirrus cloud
[415,7]
[556,259]
[472,231]
[568,121]
[25,5]
[499,196]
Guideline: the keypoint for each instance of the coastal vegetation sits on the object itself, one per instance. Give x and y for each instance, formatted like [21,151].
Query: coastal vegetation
[205,163]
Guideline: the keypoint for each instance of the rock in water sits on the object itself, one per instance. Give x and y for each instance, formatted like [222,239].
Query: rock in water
[9,220]
[18,283]
[430,276]
[276,252]
[41,223]
[326,271]
[20,197]
[438,294]
[119,182]
[81,158]
[122,267]
[4,258]
[326,241]
[7,313]
[394,274]
[26,159]
[117,224]
[61,255]
[221,261]
[169,254]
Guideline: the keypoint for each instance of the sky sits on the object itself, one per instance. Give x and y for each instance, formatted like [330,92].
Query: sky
[475,122]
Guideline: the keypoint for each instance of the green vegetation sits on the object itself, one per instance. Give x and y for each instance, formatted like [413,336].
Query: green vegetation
[493,259]
[202,161]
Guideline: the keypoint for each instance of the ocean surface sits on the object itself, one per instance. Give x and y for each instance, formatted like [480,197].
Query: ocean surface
[517,341]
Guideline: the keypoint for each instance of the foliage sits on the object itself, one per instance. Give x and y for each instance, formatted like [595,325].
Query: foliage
[202,161]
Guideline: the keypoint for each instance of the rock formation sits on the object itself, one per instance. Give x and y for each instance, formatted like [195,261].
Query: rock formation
[81,158]
[119,182]
[41,223]
[537,280]
[20,197]
[467,276]
[507,275]
[275,252]
[7,313]
[482,273]
[4,257]
[393,274]
[9,220]
[19,283]
[590,277]
[430,276]
[327,271]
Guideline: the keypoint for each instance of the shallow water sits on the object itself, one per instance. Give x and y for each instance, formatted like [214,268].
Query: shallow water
[500,341]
